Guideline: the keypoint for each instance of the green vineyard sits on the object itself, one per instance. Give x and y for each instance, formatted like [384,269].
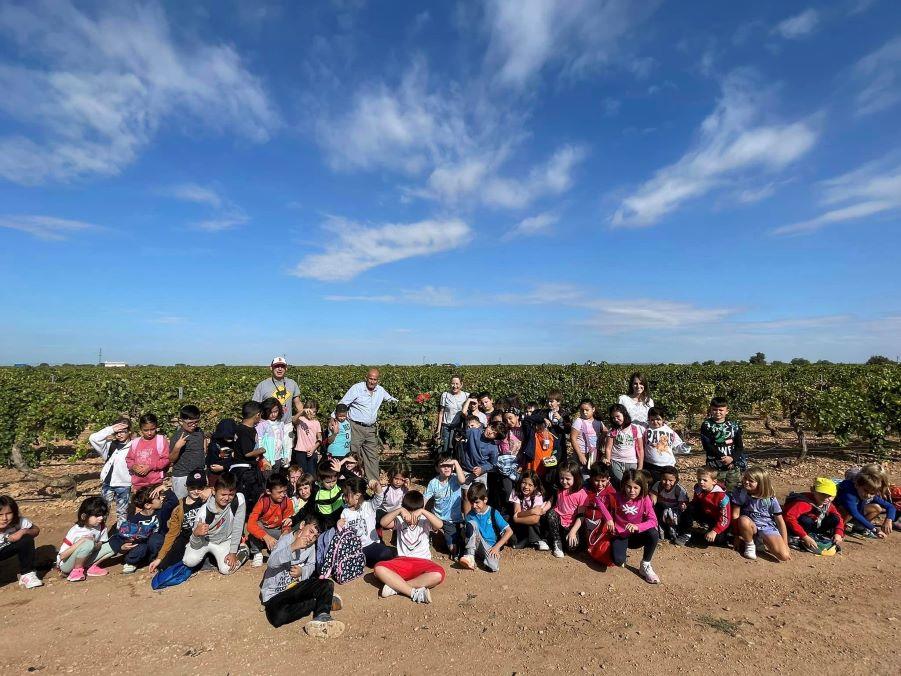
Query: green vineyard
[49,404]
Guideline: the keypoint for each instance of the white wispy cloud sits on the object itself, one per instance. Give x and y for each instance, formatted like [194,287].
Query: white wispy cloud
[192,192]
[45,227]
[798,26]
[99,84]
[879,76]
[354,248]
[869,190]
[794,323]
[540,224]
[574,35]
[459,145]
[732,143]
[432,296]
[617,316]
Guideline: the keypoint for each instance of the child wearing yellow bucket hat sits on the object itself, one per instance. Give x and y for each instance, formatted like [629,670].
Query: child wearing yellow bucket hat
[813,522]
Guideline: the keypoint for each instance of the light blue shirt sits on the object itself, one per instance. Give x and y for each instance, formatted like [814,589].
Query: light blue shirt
[364,405]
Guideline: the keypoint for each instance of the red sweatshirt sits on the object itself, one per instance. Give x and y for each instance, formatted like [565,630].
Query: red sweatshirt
[595,500]
[271,515]
[714,506]
[804,506]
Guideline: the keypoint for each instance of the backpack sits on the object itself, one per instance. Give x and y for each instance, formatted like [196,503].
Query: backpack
[171,576]
[344,559]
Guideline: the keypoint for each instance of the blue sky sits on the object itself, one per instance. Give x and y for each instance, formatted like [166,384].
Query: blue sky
[476,182]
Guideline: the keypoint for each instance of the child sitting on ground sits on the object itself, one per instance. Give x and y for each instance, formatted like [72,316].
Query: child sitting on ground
[303,490]
[181,523]
[112,444]
[218,528]
[148,455]
[486,531]
[289,591]
[359,515]
[412,573]
[326,502]
[812,520]
[660,443]
[445,493]
[600,493]
[347,467]
[756,513]
[722,441]
[634,523]
[270,518]
[398,485]
[860,499]
[710,507]
[17,534]
[670,502]
[569,503]
[138,537]
[528,506]
[81,546]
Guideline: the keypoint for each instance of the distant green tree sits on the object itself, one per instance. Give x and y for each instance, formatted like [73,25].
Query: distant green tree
[878,359]
[758,359]
[799,361]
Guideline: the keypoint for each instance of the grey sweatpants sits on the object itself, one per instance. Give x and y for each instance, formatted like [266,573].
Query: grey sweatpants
[476,546]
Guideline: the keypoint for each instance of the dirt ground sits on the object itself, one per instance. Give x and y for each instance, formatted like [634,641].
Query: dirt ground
[713,611]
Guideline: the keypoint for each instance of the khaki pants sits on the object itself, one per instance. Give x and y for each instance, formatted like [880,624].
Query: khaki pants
[364,441]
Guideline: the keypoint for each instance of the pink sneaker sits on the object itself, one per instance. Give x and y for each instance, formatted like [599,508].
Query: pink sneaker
[97,571]
[77,575]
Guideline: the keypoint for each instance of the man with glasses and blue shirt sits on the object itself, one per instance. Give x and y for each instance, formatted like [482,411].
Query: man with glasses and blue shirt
[364,399]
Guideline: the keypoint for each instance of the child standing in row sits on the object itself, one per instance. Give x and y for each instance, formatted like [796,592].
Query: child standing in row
[756,512]
[721,438]
[113,444]
[148,456]
[309,437]
[445,493]
[17,534]
[339,433]
[585,435]
[187,449]
[660,442]
[624,449]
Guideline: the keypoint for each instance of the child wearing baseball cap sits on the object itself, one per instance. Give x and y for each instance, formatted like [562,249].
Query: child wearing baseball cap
[814,524]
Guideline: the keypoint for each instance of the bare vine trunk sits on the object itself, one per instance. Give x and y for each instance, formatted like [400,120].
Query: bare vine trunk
[66,485]
[769,426]
[802,439]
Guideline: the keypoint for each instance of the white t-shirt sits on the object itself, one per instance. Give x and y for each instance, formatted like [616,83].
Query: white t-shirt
[362,520]
[659,444]
[589,431]
[413,540]
[77,532]
[453,407]
[638,410]
[24,524]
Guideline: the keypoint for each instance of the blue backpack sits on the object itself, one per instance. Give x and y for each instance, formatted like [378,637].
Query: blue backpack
[172,576]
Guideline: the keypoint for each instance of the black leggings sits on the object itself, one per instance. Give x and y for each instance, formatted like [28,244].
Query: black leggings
[309,596]
[24,549]
[621,545]
[378,551]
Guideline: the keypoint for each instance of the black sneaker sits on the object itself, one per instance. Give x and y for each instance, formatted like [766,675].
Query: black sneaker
[521,544]
[682,540]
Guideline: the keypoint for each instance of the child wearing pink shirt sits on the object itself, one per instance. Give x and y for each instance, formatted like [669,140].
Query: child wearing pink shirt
[634,523]
[568,504]
[148,456]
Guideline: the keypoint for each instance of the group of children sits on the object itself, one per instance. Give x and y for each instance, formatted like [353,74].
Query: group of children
[239,494]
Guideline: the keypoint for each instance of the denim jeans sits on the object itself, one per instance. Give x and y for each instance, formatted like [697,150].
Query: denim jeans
[121,495]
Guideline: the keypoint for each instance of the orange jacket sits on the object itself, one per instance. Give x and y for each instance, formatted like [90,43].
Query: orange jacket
[271,515]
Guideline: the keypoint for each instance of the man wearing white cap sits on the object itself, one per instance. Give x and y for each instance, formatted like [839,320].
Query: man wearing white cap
[283,389]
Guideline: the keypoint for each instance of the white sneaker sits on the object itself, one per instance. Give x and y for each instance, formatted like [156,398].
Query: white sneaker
[421,595]
[648,573]
[30,580]
[542,546]
[750,551]
[558,553]
[387,591]
[257,560]
[128,569]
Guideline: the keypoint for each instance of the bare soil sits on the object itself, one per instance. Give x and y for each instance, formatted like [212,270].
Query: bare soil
[714,611]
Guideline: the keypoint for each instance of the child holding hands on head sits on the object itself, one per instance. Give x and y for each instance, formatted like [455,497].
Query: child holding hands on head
[113,444]
[412,573]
